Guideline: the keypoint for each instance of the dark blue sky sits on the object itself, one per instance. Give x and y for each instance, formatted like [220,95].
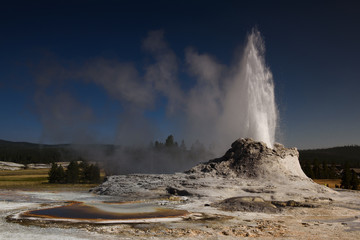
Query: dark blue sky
[312,49]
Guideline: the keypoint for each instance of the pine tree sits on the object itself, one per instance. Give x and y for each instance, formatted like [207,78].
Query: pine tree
[308,170]
[158,145]
[94,173]
[354,182]
[346,176]
[56,174]
[325,171]
[61,175]
[53,173]
[311,172]
[169,141]
[84,172]
[316,169]
[332,171]
[72,172]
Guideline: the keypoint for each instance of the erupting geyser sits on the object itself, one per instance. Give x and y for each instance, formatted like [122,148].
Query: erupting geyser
[262,114]
[249,107]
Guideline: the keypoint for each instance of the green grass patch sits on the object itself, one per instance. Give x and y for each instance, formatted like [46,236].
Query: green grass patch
[44,171]
[24,179]
[36,180]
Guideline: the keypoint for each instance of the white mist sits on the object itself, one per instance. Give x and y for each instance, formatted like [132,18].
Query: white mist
[248,104]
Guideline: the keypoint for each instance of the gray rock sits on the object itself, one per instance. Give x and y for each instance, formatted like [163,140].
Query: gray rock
[246,204]
[178,192]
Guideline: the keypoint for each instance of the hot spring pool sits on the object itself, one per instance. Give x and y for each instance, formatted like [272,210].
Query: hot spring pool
[105,212]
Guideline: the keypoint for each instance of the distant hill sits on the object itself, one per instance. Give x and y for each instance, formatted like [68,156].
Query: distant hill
[25,153]
[5,143]
[337,155]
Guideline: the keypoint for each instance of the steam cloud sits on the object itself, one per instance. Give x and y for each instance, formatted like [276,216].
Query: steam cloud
[224,103]
[235,101]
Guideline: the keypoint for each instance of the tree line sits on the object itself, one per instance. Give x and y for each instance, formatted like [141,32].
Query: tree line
[75,172]
[34,155]
[349,178]
[315,170]
[335,155]
[26,153]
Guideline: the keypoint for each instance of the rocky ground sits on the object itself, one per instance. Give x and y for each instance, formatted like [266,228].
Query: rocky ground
[251,192]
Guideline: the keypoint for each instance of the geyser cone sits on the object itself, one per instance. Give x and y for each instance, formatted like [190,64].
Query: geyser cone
[247,168]
[251,159]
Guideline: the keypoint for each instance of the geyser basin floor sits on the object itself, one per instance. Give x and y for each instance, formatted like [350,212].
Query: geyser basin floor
[335,220]
[271,175]
[105,213]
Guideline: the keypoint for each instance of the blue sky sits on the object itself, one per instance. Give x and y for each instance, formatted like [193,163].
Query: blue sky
[312,49]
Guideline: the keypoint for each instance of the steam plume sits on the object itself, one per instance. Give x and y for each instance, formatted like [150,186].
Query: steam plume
[223,104]
[235,101]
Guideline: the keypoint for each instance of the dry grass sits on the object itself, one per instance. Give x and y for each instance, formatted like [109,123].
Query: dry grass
[35,179]
[23,178]
[331,182]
